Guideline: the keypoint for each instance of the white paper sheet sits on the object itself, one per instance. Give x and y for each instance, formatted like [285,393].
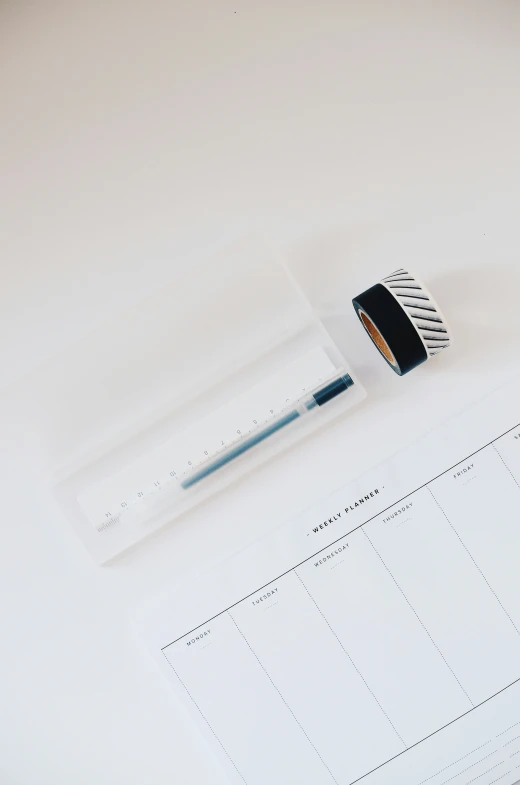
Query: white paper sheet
[376,637]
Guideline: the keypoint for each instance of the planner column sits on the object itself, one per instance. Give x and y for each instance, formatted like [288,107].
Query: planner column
[320,684]
[448,593]
[231,694]
[480,501]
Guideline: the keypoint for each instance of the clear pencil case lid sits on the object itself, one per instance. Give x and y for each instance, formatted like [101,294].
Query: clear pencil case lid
[185,392]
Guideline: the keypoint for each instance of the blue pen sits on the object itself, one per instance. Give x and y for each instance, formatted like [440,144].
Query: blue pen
[318,398]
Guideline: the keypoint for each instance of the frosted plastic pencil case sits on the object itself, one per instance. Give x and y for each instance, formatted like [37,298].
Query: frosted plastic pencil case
[180,396]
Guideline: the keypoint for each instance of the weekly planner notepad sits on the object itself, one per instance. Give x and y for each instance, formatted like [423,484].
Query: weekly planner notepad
[376,637]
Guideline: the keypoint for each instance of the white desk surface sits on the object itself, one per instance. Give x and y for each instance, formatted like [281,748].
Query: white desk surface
[362,136]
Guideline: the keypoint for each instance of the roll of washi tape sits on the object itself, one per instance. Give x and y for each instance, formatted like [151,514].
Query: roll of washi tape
[403,321]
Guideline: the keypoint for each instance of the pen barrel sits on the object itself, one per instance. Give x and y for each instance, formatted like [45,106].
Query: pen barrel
[318,398]
[234,451]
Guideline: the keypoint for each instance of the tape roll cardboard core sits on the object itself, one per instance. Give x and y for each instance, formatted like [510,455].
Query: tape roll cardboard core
[377,338]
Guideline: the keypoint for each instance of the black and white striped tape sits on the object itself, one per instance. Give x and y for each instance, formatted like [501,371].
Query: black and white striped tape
[403,321]
[421,309]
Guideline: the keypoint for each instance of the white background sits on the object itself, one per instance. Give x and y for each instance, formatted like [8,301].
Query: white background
[362,136]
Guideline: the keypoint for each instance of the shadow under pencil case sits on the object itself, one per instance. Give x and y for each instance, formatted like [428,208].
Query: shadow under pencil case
[233,367]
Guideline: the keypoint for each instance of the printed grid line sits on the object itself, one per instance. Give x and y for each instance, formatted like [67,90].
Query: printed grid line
[228,756]
[511,741]
[255,655]
[500,778]
[469,767]
[352,661]
[455,762]
[419,619]
[505,464]
[510,727]
[486,772]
